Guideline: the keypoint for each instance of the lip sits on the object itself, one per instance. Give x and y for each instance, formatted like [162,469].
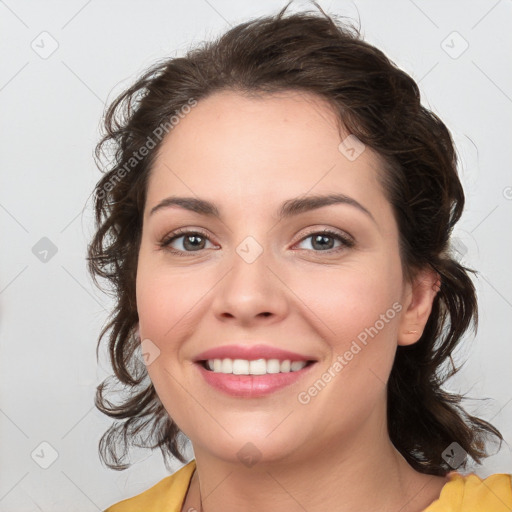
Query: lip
[251,353]
[251,386]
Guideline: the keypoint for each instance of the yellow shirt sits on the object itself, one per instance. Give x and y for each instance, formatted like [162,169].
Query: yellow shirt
[467,493]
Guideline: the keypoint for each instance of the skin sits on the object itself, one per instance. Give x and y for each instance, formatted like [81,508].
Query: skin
[248,155]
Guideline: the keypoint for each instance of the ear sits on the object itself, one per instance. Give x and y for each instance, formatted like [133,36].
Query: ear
[417,301]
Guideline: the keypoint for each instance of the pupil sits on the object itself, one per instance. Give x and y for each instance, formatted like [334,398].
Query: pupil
[192,237]
[320,238]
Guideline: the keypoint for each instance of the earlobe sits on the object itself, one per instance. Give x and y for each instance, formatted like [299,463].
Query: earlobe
[418,306]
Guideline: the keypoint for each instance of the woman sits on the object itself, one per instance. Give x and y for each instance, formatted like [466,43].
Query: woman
[276,226]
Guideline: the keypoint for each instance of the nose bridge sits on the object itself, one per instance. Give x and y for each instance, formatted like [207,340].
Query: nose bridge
[250,288]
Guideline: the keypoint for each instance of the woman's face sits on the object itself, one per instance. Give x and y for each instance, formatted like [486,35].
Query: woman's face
[252,278]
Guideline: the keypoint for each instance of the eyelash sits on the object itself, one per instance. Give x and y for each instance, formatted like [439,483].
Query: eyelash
[347,241]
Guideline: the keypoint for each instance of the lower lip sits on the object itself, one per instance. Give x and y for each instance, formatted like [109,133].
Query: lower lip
[251,386]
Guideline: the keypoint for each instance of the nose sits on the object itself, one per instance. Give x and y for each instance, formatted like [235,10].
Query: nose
[250,292]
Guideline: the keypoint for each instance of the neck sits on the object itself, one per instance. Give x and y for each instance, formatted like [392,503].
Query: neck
[356,476]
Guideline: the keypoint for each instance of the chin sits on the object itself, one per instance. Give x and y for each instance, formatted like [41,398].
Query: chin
[249,447]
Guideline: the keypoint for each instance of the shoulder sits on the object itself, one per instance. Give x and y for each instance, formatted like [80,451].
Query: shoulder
[165,496]
[471,493]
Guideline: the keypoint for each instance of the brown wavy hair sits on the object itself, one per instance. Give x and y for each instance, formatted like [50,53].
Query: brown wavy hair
[374,100]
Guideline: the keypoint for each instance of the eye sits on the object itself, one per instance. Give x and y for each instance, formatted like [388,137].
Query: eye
[320,240]
[193,241]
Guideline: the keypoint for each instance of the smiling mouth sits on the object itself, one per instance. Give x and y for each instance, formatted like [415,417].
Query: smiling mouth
[253,367]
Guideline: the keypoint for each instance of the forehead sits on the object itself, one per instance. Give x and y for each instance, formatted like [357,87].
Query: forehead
[244,148]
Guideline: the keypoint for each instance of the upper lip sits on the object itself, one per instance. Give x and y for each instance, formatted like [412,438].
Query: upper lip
[251,352]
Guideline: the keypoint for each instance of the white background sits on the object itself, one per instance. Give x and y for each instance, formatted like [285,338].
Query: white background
[51,314]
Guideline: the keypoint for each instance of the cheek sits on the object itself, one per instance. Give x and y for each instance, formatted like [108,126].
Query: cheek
[356,310]
[351,299]
[165,300]
[357,314]
[152,302]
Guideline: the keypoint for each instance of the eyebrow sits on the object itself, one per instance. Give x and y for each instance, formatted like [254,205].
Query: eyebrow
[289,208]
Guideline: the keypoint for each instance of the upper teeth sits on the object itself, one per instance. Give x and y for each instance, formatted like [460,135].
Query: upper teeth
[255,367]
